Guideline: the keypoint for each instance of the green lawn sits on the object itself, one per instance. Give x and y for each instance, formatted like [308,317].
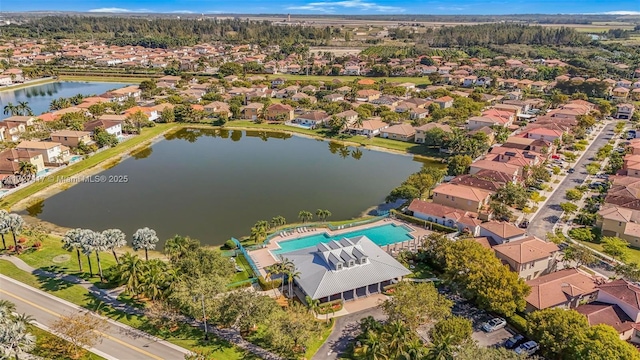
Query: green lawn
[72,293]
[43,338]
[395,145]
[119,79]
[187,336]
[634,254]
[315,345]
[111,155]
[242,275]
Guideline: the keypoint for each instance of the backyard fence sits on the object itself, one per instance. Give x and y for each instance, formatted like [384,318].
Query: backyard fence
[357,223]
[244,252]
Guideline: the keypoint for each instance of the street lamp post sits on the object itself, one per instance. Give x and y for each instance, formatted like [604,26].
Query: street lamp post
[204,317]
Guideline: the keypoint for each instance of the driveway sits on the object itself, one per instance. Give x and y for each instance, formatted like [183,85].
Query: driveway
[344,331]
[550,213]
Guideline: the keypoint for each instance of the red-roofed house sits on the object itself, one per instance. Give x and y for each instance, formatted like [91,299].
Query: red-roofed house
[445,215]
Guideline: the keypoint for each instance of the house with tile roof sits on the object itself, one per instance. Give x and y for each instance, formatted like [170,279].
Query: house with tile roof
[464,221]
[529,257]
[501,232]
[402,132]
[423,129]
[508,169]
[600,313]
[561,289]
[461,197]
[624,294]
[368,128]
[346,269]
[622,222]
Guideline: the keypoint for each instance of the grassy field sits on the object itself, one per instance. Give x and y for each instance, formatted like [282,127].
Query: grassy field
[349,140]
[346,79]
[112,155]
[43,337]
[121,79]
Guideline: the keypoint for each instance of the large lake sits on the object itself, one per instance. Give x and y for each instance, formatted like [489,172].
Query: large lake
[39,96]
[214,184]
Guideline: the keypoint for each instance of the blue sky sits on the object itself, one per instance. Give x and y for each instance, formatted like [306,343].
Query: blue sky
[438,7]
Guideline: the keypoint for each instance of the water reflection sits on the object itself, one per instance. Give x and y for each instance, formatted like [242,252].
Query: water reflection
[143,153]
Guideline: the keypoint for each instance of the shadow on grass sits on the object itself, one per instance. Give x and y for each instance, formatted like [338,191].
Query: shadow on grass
[50,283]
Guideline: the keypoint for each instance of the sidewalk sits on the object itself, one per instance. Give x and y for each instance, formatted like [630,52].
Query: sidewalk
[231,335]
[562,178]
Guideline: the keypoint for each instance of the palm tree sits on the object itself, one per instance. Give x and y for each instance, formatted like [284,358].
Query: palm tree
[15,223]
[146,239]
[292,274]
[10,109]
[278,221]
[323,214]
[154,279]
[99,244]
[86,245]
[4,226]
[442,350]
[15,339]
[313,305]
[7,308]
[115,239]
[73,240]
[271,270]
[284,265]
[305,216]
[24,109]
[179,246]
[397,338]
[373,347]
[131,272]
[27,169]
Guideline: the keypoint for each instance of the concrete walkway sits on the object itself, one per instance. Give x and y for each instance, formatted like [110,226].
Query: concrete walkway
[231,335]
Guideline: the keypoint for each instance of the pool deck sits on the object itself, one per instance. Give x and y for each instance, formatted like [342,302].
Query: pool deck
[264,257]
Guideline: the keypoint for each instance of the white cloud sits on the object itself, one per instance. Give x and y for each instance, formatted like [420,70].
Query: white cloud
[330,6]
[181,12]
[621,12]
[111,10]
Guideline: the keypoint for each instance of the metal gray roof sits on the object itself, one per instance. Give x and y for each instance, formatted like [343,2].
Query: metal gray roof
[317,266]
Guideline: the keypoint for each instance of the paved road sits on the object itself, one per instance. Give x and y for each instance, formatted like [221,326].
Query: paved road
[345,330]
[550,213]
[118,341]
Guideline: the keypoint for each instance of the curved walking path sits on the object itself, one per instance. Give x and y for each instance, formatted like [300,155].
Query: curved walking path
[111,298]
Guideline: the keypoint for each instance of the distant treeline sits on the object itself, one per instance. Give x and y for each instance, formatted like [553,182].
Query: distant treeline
[167,33]
[500,34]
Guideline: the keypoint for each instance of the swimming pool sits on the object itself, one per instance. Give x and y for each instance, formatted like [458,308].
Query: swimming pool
[381,235]
[75,158]
[43,172]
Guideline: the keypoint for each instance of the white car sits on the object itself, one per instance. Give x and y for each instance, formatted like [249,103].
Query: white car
[528,348]
[494,324]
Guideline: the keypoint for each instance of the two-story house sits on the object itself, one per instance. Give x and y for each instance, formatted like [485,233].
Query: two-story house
[564,289]
[461,197]
[72,138]
[445,215]
[110,126]
[423,129]
[501,232]
[251,111]
[10,160]
[52,152]
[279,112]
[349,116]
[621,222]
[529,257]
[313,119]
[624,111]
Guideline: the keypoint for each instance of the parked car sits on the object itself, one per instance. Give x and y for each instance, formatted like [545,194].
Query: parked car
[524,224]
[571,171]
[528,348]
[494,324]
[563,246]
[514,341]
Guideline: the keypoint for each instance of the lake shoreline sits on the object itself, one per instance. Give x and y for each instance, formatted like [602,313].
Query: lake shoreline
[30,83]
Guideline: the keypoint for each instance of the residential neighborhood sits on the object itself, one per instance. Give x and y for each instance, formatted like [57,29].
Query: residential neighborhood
[514,234]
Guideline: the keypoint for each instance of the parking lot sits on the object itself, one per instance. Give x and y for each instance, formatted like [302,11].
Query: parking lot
[478,317]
